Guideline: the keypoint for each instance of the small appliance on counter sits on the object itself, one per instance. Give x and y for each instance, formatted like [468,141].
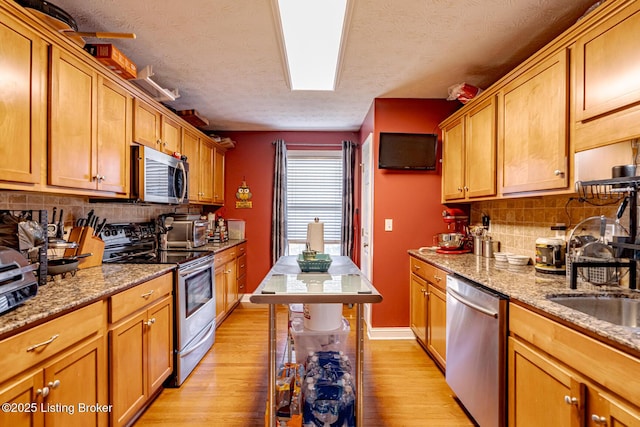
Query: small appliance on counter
[187,233]
[18,282]
[550,255]
[457,240]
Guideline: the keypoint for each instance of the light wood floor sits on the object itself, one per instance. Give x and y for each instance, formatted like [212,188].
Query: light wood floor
[402,385]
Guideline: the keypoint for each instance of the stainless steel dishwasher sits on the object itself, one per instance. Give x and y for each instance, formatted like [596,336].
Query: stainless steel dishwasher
[476,350]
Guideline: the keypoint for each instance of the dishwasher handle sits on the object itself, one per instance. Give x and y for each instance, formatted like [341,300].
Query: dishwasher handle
[472,305]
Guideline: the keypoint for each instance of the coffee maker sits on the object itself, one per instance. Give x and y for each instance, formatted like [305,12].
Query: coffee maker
[550,255]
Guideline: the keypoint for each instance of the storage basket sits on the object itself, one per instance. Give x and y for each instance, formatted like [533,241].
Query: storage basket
[320,264]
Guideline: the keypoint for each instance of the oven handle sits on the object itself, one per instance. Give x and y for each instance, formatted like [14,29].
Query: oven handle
[195,270]
[472,305]
[212,329]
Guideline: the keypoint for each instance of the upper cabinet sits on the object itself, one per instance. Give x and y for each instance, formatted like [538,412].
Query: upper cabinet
[469,154]
[607,87]
[535,145]
[199,152]
[23,67]
[155,129]
[90,128]
[218,176]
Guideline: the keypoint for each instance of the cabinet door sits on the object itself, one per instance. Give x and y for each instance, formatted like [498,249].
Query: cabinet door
[221,293]
[160,343]
[171,136]
[231,284]
[453,161]
[114,136]
[437,324]
[25,391]
[191,149]
[206,171]
[218,178]
[23,67]
[128,373]
[78,378]
[480,150]
[418,307]
[146,124]
[534,122]
[542,392]
[72,122]
[605,411]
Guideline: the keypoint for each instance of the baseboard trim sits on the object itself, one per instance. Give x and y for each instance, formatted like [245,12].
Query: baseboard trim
[390,333]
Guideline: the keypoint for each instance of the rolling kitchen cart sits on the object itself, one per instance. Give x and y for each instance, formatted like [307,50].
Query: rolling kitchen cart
[343,283]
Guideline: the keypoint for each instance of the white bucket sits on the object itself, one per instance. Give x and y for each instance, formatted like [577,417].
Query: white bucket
[322,317]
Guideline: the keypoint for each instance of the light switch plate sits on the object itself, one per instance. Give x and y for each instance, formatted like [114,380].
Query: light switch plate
[388,224]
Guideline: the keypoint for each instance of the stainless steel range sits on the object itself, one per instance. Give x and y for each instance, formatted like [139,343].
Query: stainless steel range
[194,289]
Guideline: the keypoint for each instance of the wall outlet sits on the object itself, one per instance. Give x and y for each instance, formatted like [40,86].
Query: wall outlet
[388,224]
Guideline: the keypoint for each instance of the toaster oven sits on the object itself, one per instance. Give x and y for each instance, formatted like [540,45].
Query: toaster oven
[187,234]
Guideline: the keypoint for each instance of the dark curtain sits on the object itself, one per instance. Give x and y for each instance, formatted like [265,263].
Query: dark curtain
[279,208]
[348,170]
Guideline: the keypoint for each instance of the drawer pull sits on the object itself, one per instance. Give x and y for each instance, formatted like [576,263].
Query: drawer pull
[42,344]
[151,321]
[242,266]
[416,267]
[44,392]
[570,400]
[597,419]
[147,295]
[54,384]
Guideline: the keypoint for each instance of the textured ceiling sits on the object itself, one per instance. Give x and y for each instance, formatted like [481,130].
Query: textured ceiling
[224,56]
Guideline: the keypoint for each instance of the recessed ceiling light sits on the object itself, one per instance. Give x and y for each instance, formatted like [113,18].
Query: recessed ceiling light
[312,31]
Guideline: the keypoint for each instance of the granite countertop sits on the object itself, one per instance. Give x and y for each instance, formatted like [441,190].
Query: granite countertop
[219,247]
[532,288]
[87,286]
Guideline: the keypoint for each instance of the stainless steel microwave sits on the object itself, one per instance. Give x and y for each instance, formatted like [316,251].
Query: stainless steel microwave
[158,177]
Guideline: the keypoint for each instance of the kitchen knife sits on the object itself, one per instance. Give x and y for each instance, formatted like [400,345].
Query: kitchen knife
[100,227]
[89,217]
[60,226]
[53,216]
[94,222]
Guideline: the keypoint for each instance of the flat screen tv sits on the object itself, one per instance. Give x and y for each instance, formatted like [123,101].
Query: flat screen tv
[408,151]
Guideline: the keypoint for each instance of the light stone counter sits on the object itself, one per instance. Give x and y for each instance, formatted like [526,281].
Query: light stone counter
[87,286]
[526,285]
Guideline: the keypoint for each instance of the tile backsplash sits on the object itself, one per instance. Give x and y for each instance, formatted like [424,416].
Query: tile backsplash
[517,223]
[78,206]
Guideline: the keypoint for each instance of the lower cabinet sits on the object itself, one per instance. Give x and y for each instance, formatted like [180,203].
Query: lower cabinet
[428,308]
[557,377]
[141,346]
[230,273]
[61,373]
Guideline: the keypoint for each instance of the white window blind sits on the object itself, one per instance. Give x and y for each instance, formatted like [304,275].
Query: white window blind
[314,189]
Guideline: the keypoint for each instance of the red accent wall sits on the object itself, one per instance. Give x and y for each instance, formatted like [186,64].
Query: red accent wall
[252,160]
[410,198]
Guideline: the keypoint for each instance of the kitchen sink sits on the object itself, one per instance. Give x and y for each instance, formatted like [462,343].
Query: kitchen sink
[617,309]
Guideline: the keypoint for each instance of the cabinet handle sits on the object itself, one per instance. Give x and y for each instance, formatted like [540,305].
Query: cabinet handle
[228,272]
[459,188]
[42,344]
[558,172]
[466,188]
[242,266]
[438,278]
[599,420]
[147,295]
[416,267]
[54,384]
[571,400]
[151,321]
[44,392]
[159,141]
[103,178]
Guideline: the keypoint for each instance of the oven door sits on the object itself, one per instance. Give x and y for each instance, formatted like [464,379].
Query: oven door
[195,297]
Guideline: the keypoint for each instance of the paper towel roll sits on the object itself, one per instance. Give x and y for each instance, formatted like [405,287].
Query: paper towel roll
[315,236]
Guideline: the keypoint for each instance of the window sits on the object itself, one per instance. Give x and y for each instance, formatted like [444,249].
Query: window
[314,189]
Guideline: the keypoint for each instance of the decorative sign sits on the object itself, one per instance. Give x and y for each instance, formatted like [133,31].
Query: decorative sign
[243,196]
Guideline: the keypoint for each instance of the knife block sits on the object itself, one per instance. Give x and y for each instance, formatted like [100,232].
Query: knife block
[87,243]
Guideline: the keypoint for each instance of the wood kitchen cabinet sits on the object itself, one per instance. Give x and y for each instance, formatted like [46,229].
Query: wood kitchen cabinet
[90,124]
[141,346]
[23,66]
[469,153]
[218,176]
[606,85]
[199,152]
[228,264]
[534,146]
[428,305]
[557,376]
[154,129]
[61,362]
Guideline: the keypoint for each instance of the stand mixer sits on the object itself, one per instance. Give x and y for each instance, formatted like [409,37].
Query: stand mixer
[457,240]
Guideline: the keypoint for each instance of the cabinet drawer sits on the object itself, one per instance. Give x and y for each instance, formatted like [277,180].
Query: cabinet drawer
[223,257]
[242,265]
[429,273]
[29,348]
[131,300]
[241,249]
[242,284]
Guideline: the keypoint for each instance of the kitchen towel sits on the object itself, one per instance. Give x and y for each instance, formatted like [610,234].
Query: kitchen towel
[315,236]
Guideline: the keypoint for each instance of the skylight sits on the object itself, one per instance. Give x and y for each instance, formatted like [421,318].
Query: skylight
[312,32]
